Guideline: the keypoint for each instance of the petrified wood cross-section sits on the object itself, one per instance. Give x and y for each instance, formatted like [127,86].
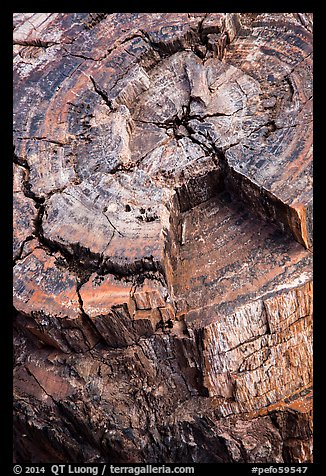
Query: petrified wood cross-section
[163,237]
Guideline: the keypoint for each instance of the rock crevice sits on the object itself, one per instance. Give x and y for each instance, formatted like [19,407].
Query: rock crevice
[163,237]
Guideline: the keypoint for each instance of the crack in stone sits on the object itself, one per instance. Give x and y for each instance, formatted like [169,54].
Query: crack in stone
[102,94]
[39,384]
[44,139]
[97,263]
[21,249]
[114,227]
[37,43]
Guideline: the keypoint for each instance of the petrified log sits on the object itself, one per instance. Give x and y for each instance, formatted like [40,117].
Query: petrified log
[163,237]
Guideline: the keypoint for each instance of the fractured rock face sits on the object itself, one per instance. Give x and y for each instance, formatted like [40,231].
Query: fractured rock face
[163,237]
[116,217]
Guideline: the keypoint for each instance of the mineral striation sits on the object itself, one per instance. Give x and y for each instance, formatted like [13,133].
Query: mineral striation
[163,237]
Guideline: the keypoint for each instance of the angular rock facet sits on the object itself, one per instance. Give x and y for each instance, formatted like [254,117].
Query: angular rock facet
[163,237]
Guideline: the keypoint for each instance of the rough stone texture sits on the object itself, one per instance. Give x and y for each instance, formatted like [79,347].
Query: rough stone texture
[163,237]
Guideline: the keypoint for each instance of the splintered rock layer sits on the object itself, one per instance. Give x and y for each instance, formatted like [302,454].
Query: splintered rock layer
[163,237]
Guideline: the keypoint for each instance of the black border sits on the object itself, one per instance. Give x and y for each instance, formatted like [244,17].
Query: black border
[6,390]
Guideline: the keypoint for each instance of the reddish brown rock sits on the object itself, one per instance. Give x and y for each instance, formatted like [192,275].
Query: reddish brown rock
[163,237]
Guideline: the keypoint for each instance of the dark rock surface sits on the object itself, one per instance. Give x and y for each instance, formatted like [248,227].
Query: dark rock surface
[163,237]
